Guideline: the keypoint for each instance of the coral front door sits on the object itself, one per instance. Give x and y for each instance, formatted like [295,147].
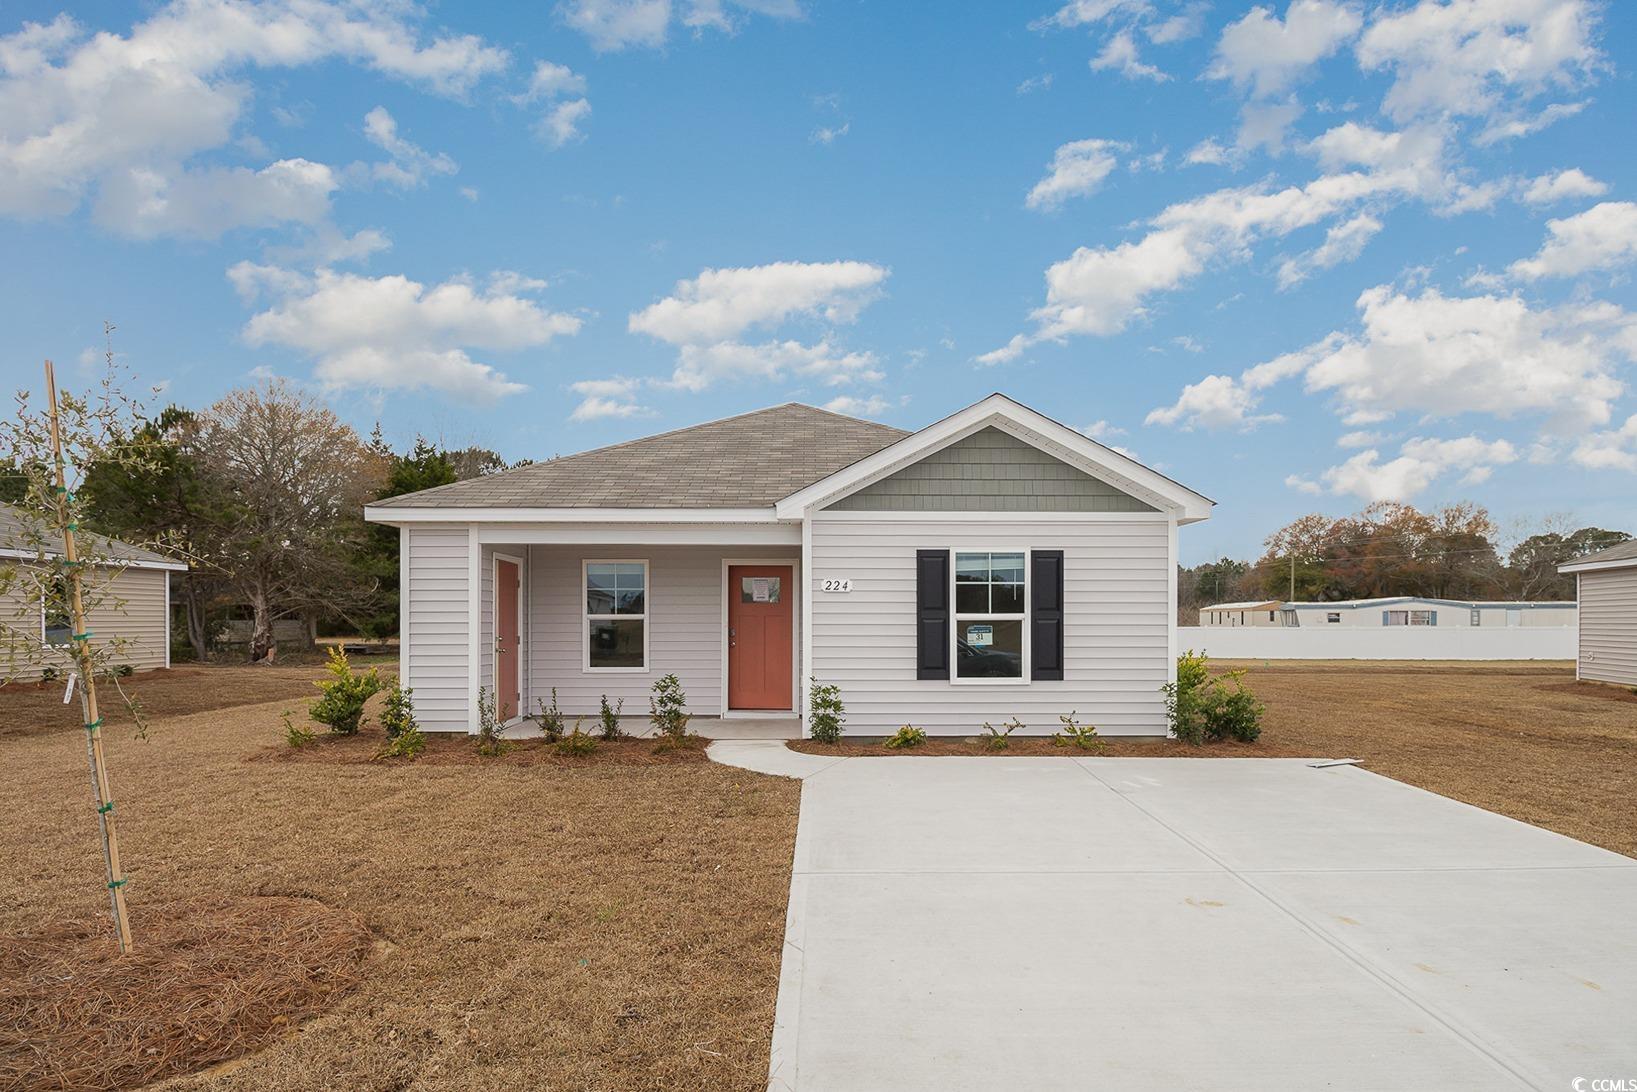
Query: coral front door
[759,636]
[508,639]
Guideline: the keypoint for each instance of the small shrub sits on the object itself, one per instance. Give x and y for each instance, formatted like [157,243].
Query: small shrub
[999,739]
[1204,709]
[398,713]
[608,717]
[1075,734]
[577,744]
[49,673]
[549,718]
[343,694]
[825,713]
[408,743]
[668,709]
[907,736]
[490,743]
[297,736]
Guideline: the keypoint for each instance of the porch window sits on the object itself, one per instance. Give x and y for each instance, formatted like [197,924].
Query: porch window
[616,609]
[990,614]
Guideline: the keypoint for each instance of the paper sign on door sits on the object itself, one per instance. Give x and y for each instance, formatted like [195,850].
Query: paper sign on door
[760,590]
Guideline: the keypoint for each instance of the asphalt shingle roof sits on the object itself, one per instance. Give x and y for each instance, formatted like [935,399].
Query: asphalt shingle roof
[749,461]
[1625,551]
[13,536]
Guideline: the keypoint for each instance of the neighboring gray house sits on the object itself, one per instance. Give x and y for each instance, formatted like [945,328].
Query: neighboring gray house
[137,607]
[1606,584]
[993,564]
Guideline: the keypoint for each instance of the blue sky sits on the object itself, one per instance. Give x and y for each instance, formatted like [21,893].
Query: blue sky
[1298,256]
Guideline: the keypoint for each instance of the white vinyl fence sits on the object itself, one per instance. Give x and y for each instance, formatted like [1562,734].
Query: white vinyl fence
[1385,643]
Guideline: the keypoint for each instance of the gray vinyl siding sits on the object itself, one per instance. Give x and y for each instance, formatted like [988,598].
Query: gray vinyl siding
[1608,625]
[990,471]
[132,608]
[1116,625]
[684,618]
[437,617]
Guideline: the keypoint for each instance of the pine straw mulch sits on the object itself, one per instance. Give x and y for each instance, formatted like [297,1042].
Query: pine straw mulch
[1043,747]
[208,980]
[461,750]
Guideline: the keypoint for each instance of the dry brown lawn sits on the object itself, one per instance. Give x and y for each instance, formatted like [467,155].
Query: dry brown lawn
[1520,738]
[599,927]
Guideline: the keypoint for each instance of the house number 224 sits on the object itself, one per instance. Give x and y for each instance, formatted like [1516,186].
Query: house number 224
[835,585]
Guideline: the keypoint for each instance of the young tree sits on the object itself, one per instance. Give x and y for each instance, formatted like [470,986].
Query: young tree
[298,478]
[68,572]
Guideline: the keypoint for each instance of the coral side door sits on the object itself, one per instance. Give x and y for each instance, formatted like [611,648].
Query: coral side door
[760,636]
[508,639]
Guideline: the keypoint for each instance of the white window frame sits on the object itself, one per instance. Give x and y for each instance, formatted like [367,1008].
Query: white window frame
[1332,617]
[586,617]
[955,616]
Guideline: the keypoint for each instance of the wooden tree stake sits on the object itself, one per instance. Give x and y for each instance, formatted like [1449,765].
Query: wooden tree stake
[88,685]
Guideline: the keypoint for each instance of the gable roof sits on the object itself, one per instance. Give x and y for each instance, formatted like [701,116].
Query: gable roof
[747,461]
[1615,557]
[997,410]
[15,542]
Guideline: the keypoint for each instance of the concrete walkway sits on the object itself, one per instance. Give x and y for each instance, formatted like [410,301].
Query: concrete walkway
[1188,923]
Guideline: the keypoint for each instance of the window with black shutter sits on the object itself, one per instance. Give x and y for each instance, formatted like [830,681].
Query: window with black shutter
[932,614]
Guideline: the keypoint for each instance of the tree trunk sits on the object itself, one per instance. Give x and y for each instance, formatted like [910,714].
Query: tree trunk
[195,610]
[261,626]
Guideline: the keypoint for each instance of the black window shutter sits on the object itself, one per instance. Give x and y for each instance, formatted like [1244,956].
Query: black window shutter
[1046,614]
[932,614]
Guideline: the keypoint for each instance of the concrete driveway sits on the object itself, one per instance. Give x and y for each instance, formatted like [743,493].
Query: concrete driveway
[1190,923]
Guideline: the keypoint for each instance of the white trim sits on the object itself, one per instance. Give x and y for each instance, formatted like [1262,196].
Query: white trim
[592,534]
[959,516]
[104,563]
[474,620]
[495,559]
[586,616]
[1026,668]
[403,608]
[805,661]
[167,619]
[1598,566]
[1171,603]
[1579,634]
[797,624]
[1027,425]
[409,514]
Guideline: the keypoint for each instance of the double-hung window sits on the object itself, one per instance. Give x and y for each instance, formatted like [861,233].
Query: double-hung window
[991,614]
[616,615]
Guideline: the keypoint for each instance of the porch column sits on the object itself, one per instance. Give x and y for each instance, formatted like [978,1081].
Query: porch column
[474,625]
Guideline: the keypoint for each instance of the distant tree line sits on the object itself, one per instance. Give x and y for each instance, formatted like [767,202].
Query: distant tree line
[1389,549]
[263,494]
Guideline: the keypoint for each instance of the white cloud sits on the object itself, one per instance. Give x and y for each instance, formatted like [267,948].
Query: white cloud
[1359,439]
[1120,53]
[873,406]
[617,24]
[1267,56]
[605,398]
[1479,57]
[707,316]
[553,81]
[394,333]
[1264,125]
[1035,83]
[145,203]
[1215,402]
[1613,449]
[1510,128]
[1420,462]
[1343,242]
[1208,151]
[722,303]
[81,113]
[1188,23]
[1602,237]
[410,164]
[1102,431]
[1078,13]
[1563,186]
[1076,169]
[561,123]
[1303,485]
[829,134]
[1438,356]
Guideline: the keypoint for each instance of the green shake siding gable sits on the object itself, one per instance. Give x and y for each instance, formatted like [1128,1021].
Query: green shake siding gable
[990,471]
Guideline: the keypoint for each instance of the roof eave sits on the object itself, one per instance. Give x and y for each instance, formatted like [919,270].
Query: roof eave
[400,515]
